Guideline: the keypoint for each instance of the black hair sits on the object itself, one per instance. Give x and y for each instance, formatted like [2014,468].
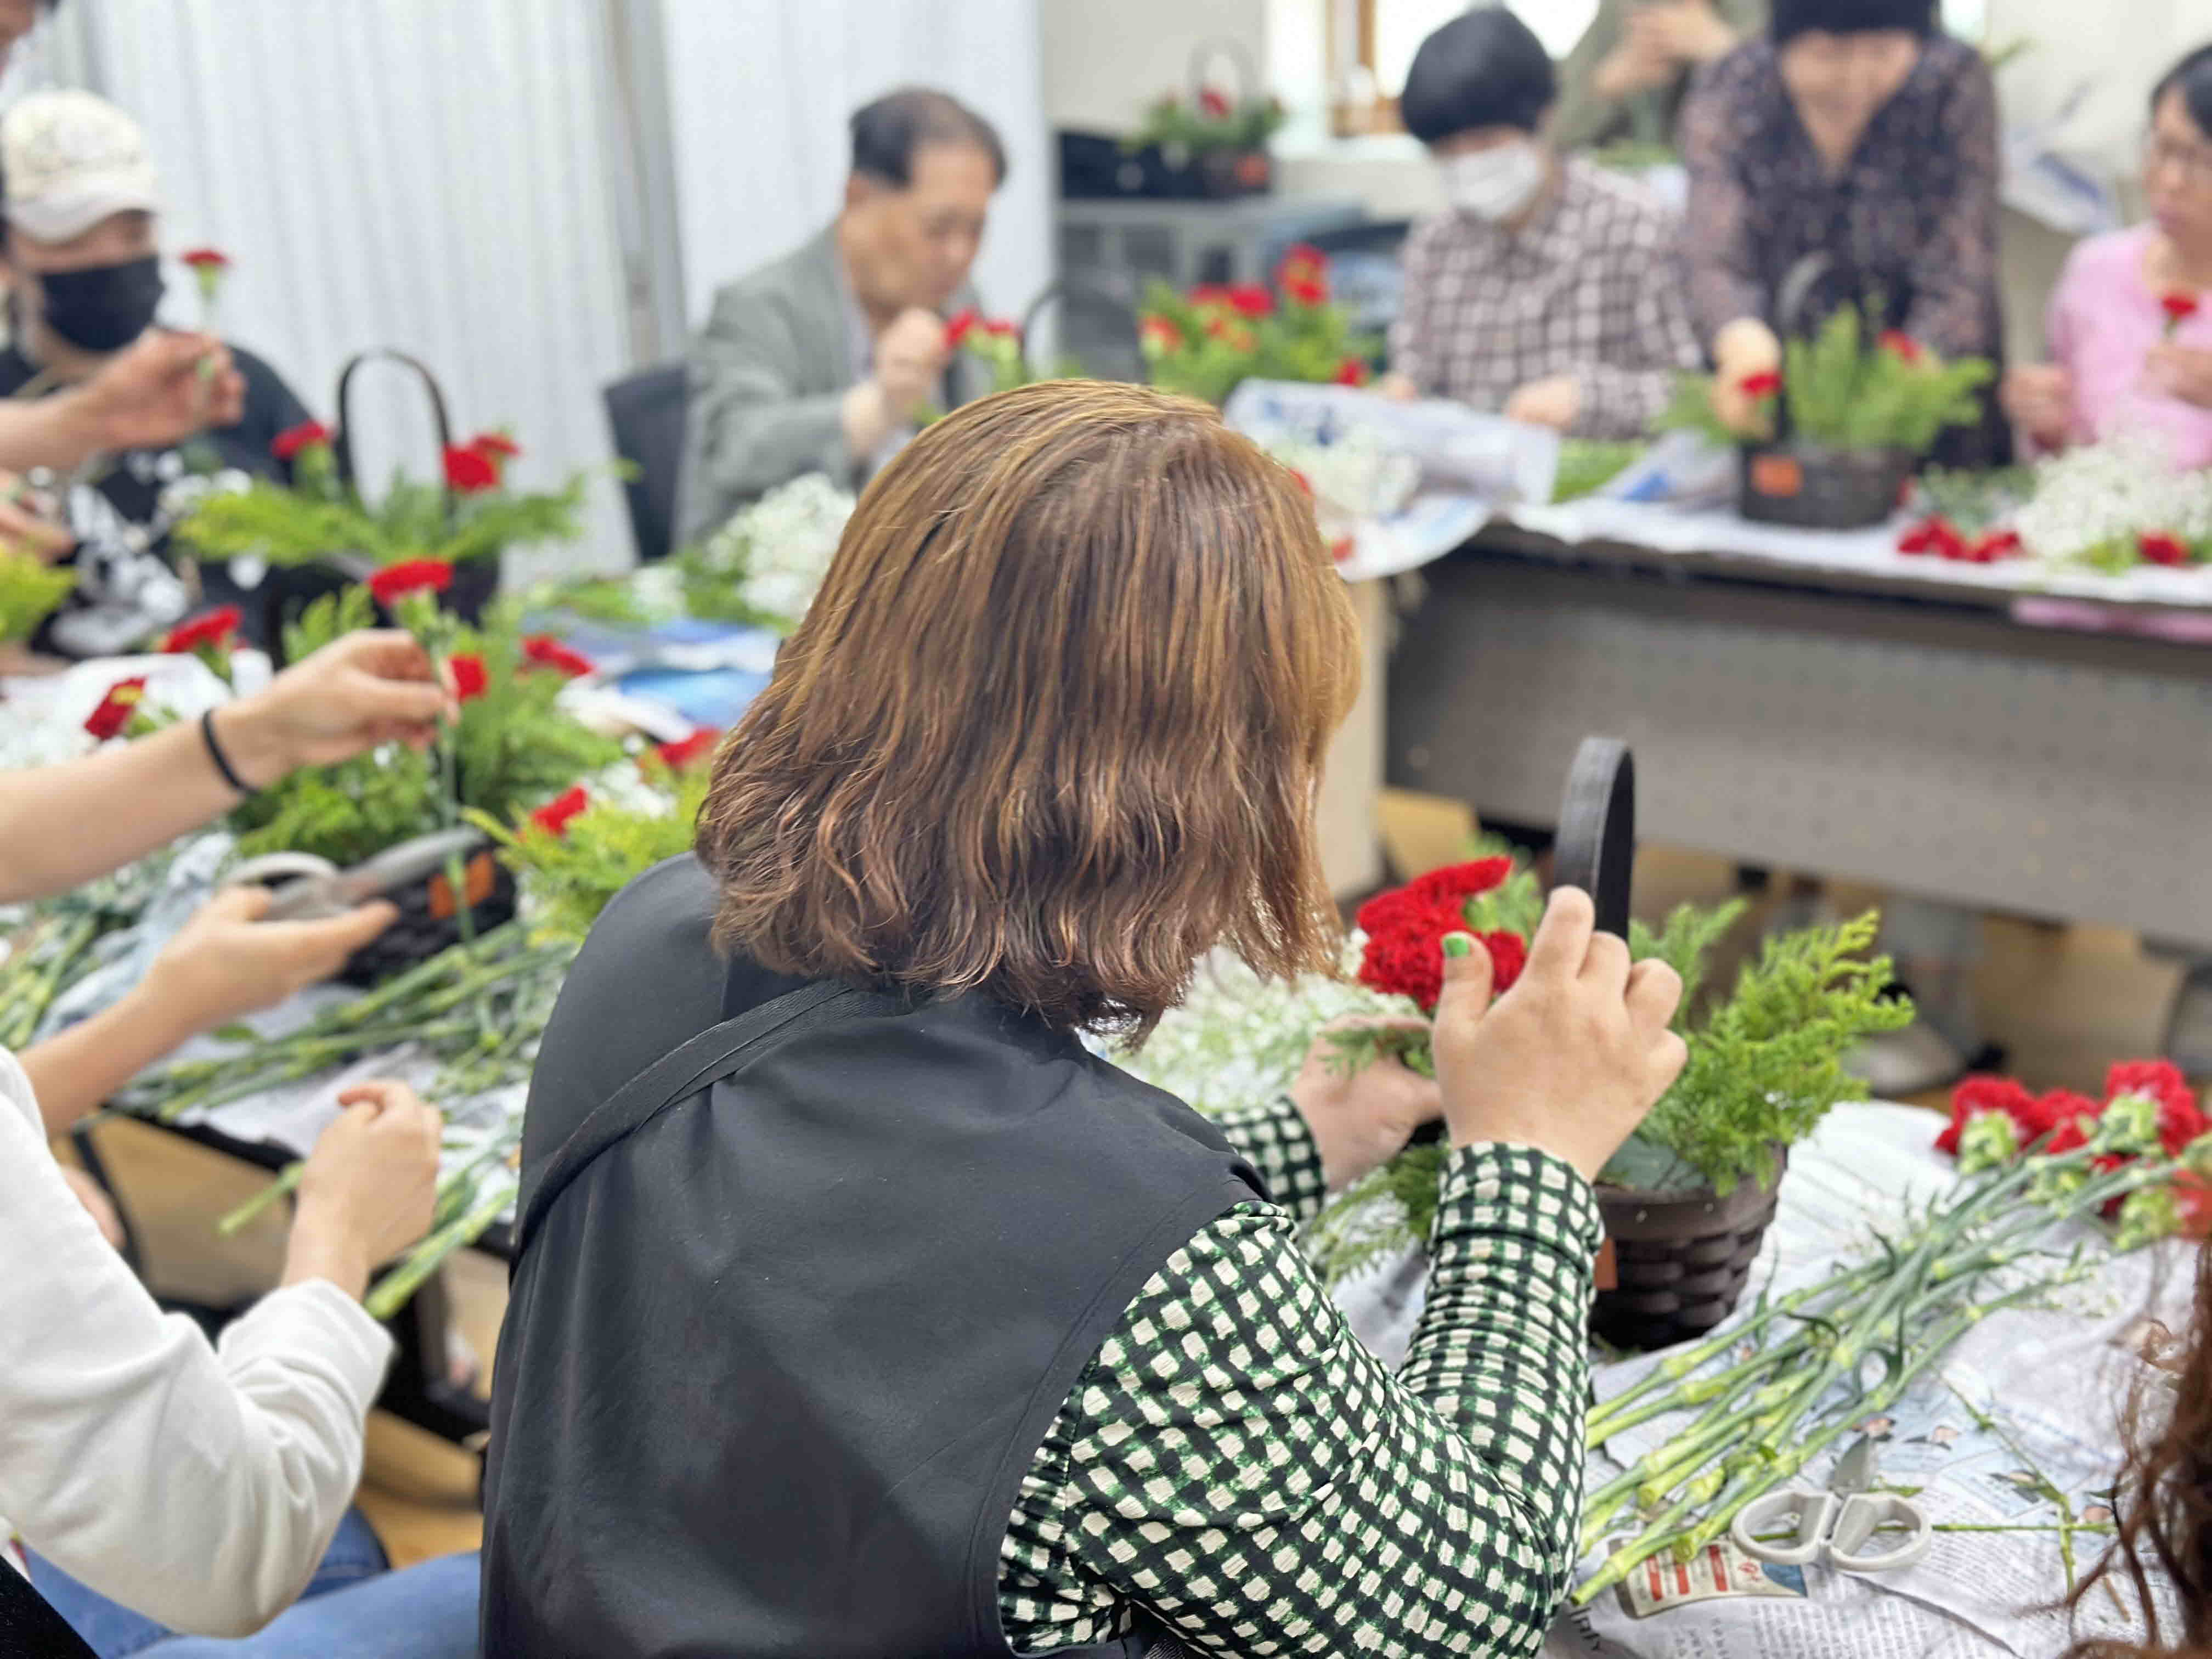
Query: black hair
[1483,69]
[2192,78]
[887,132]
[1791,18]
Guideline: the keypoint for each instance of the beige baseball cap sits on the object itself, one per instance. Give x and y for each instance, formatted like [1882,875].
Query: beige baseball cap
[70,159]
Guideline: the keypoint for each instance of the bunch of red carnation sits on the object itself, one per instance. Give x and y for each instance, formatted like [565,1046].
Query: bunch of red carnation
[2070,1119]
[1938,538]
[1406,929]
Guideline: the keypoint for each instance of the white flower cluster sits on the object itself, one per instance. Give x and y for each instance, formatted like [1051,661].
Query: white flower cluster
[1354,476]
[1238,1039]
[2112,491]
[783,543]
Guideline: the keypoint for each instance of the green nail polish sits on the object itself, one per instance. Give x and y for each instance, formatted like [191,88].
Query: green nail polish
[1459,944]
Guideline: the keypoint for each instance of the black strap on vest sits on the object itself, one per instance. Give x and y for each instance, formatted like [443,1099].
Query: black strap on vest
[680,1074]
[1596,846]
[28,1624]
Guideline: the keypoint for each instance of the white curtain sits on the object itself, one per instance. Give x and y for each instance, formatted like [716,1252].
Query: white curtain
[418,173]
[759,91]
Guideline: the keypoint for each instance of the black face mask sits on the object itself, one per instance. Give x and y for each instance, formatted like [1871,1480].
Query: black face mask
[102,307]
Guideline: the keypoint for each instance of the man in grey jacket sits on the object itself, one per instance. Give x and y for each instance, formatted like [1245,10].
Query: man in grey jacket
[823,360]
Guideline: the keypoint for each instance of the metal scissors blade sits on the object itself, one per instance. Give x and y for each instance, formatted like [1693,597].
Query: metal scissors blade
[395,867]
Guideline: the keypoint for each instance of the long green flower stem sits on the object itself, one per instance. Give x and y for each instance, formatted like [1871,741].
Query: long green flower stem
[1765,1464]
[286,1181]
[1919,1282]
[391,1292]
[34,979]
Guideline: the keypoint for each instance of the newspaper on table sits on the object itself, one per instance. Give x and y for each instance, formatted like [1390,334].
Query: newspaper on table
[1468,464]
[2050,1381]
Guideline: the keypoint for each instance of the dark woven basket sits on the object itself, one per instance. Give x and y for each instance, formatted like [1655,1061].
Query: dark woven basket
[1681,1259]
[429,921]
[1814,487]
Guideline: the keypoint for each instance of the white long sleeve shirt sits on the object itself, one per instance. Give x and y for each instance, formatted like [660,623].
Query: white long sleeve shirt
[199,1484]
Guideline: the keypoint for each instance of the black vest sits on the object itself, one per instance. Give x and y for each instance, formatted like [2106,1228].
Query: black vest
[776,1361]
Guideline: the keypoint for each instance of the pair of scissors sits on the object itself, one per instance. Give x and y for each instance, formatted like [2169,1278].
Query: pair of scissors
[1840,1524]
[314,888]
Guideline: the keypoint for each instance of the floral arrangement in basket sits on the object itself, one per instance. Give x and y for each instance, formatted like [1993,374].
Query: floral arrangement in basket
[1210,120]
[470,513]
[763,566]
[1840,391]
[1765,1061]
[512,747]
[1208,342]
[1755,1404]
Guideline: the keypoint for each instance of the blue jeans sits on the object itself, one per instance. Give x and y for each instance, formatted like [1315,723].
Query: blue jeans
[352,1608]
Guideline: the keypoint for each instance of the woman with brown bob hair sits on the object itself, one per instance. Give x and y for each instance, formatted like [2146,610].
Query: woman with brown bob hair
[861,1310]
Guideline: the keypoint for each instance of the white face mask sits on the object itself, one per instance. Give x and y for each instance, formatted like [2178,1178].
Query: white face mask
[1494,184]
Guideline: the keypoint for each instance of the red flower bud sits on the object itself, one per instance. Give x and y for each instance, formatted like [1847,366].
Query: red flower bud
[1764,384]
[287,444]
[2180,307]
[553,817]
[1214,105]
[683,753]
[542,651]
[1251,299]
[964,322]
[116,709]
[469,677]
[469,472]
[1159,334]
[205,259]
[2160,547]
[1902,346]
[1352,372]
[212,630]
[494,446]
[408,576]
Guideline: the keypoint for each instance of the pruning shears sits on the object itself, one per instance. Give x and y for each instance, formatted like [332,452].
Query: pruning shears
[314,888]
[1837,1525]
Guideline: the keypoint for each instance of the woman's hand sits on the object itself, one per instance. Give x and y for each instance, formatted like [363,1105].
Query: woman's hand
[372,687]
[1362,1119]
[22,525]
[1746,347]
[2180,371]
[1552,402]
[2039,398]
[160,390]
[226,962]
[1572,1057]
[369,1187]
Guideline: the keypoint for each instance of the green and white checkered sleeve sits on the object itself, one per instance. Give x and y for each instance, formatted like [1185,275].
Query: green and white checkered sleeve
[1235,1462]
[1273,1139]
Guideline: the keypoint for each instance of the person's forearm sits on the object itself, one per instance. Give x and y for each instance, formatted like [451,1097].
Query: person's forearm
[76,1071]
[64,824]
[56,432]
[1275,1138]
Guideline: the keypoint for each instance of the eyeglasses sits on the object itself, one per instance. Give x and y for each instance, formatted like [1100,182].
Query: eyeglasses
[2192,161]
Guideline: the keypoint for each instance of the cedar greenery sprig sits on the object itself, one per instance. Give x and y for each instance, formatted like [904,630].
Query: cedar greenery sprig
[31,590]
[570,876]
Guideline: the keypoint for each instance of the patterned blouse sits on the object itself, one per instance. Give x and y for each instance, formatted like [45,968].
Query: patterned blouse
[1591,289]
[1237,1467]
[1910,219]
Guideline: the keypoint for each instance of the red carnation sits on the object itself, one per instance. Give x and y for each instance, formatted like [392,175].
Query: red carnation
[1304,275]
[410,576]
[116,709]
[1251,299]
[2160,547]
[1237,336]
[212,631]
[1764,384]
[205,259]
[2178,309]
[1938,536]
[553,817]
[1902,346]
[2179,1122]
[1160,334]
[1352,372]
[1214,105]
[1507,956]
[287,444]
[681,754]
[1992,545]
[963,323]
[470,472]
[1215,294]
[1458,883]
[496,444]
[999,329]
[469,677]
[1978,1095]
[544,652]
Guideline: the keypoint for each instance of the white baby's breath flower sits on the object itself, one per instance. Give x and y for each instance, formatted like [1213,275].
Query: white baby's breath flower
[2114,491]
[783,543]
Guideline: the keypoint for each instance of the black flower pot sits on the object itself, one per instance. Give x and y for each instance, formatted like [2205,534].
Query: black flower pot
[1681,1259]
[1811,486]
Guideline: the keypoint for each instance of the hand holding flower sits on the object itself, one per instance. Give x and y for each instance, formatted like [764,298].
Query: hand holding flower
[2180,371]
[373,687]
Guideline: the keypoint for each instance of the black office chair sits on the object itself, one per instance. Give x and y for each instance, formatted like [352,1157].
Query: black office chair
[646,413]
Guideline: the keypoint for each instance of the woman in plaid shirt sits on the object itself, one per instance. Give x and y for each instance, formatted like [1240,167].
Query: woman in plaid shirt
[1550,289]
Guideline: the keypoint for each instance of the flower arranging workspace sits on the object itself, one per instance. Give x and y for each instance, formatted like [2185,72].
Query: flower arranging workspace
[1366,838]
